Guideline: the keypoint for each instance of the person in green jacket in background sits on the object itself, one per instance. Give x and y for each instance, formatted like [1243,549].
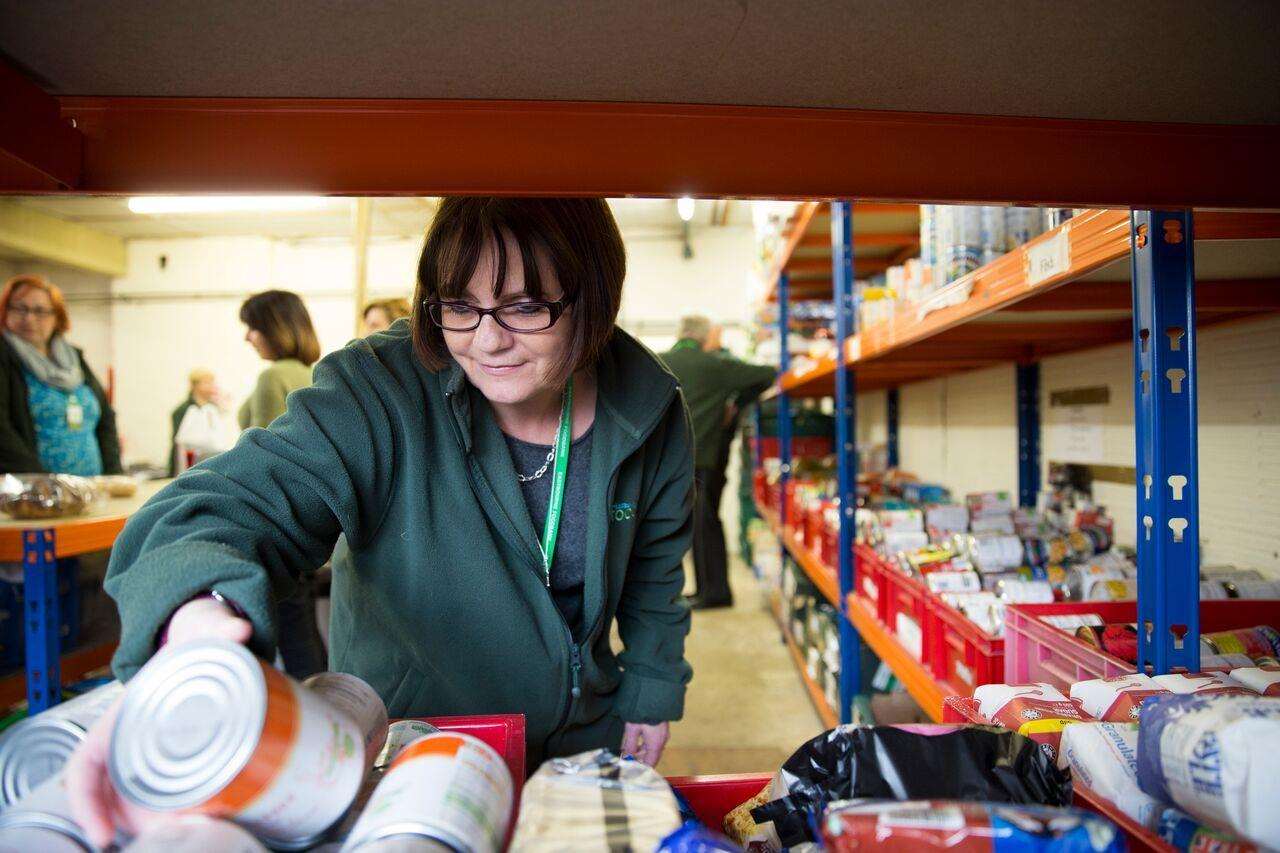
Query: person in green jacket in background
[278,327]
[430,446]
[717,387]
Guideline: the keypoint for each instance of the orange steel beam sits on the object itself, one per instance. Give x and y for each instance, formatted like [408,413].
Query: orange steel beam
[1215,295]
[913,675]
[39,149]
[815,240]
[135,145]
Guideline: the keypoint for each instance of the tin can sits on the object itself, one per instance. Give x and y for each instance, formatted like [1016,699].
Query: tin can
[35,749]
[1122,589]
[206,727]
[1025,592]
[447,786]
[992,233]
[399,735]
[359,701]
[404,844]
[195,834]
[961,227]
[1022,224]
[42,821]
[1260,641]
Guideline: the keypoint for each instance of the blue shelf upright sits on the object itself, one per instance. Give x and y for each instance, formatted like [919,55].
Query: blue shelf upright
[891,421]
[1164,393]
[846,448]
[1028,386]
[41,620]
[784,401]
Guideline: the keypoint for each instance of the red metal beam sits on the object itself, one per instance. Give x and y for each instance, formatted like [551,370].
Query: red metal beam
[545,148]
[39,150]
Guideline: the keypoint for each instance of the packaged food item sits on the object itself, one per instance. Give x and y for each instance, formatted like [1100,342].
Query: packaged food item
[1038,711]
[1254,642]
[1199,683]
[1252,589]
[1263,680]
[206,727]
[1223,663]
[1212,590]
[36,496]
[195,834]
[693,837]
[1185,834]
[42,821]
[402,844]
[117,485]
[1208,755]
[1104,758]
[1117,699]
[965,827]
[354,697]
[448,787]
[953,582]
[1071,622]
[741,827]
[1025,592]
[400,734]
[36,748]
[1124,589]
[904,763]
[1118,639]
[946,519]
[595,801]
[989,503]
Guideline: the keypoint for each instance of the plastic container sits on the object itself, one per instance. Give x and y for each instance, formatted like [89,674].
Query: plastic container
[801,445]
[904,610]
[713,797]
[961,655]
[868,584]
[963,709]
[1037,651]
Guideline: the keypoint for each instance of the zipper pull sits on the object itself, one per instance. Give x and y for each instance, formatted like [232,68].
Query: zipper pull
[575,670]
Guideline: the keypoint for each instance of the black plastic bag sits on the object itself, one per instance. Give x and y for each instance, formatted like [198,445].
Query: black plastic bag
[976,763]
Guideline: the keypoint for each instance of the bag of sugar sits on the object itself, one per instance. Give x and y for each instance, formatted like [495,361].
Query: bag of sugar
[1214,756]
[1199,683]
[1259,679]
[1115,700]
[1037,711]
[1104,758]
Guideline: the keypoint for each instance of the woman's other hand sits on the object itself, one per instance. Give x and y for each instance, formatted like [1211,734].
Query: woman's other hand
[645,742]
[207,619]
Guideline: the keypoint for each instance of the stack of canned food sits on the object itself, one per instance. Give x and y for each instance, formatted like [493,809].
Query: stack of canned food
[234,755]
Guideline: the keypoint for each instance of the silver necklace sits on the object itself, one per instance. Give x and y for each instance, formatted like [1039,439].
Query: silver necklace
[536,474]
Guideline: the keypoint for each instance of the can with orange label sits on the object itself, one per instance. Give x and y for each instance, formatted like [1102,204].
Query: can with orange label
[360,702]
[195,834]
[448,787]
[206,727]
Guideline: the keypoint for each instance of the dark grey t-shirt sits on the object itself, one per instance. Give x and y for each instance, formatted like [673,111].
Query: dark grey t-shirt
[568,566]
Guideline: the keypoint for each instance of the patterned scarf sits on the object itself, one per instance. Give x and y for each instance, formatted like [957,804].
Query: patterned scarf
[61,369]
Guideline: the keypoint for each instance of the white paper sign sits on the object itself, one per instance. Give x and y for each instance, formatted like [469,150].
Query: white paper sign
[1075,434]
[1049,258]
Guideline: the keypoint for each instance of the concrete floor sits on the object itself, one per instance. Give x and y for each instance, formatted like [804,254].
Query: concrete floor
[746,710]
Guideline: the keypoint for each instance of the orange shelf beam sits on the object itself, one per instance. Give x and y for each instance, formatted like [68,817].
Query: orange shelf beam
[75,666]
[919,683]
[816,694]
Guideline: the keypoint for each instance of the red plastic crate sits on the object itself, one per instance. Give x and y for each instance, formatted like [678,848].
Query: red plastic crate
[801,446]
[1037,651]
[503,732]
[962,709]
[961,654]
[903,595]
[713,797]
[869,585]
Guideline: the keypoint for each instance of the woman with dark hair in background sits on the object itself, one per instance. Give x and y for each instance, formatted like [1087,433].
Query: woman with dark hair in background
[280,331]
[54,415]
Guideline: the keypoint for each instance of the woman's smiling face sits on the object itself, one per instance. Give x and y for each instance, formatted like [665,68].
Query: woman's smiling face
[510,367]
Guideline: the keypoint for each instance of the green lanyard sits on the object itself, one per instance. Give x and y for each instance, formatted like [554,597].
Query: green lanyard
[559,475]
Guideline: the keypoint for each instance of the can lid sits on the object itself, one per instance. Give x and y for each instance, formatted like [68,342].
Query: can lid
[190,721]
[35,750]
[30,830]
[410,837]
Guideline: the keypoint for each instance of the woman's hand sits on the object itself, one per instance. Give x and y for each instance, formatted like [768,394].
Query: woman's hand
[645,742]
[207,619]
[95,805]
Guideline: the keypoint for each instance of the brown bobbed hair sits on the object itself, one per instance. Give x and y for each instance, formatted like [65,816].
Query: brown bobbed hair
[281,318]
[62,321]
[576,237]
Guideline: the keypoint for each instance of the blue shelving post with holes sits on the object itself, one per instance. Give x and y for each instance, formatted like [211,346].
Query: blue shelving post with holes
[891,426]
[1028,387]
[784,402]
[1164,393]
[40,620]
[846,448]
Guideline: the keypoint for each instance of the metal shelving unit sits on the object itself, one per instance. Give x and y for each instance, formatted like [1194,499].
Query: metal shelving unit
[1019,311]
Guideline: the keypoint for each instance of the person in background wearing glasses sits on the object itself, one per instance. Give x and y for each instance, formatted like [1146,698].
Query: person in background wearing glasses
[54,415]
[512,473]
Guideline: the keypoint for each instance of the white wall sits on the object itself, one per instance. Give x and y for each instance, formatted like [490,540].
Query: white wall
[961,432]
[169,319]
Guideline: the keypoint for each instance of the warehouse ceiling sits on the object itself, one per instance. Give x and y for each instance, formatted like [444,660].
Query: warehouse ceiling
[1143,60]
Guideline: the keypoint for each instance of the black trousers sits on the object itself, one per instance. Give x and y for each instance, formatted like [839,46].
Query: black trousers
[298,634]
[710,556]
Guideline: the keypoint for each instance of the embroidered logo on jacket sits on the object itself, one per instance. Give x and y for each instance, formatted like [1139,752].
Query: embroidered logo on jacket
[622,512]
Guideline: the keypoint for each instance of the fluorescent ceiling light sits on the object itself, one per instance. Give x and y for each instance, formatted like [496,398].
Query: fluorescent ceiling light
[684,207]
[160,204]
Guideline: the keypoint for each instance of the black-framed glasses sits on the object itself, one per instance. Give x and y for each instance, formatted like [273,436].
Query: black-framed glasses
[38,313]
[530,316]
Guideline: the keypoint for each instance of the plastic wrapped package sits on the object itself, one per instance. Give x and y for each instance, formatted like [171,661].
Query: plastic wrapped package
[1253,642]
[1038,711]
[693,837]
[1259,679]
[905,763]
[1198,683]
[1117,699]
[1214,757]
[35,496]
[1185,834]
[965,827]
[1104,758]
[595,801]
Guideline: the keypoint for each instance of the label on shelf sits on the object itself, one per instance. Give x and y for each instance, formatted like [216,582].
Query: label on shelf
[1050,257]
[855,348]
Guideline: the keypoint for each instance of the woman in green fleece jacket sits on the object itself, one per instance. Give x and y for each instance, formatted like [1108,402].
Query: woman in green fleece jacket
[436,448]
